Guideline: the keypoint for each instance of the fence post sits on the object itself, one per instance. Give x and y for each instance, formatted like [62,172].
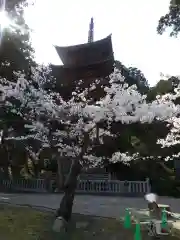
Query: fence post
[148,185]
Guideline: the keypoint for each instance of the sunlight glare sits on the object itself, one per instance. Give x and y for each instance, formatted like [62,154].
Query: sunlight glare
[4,20]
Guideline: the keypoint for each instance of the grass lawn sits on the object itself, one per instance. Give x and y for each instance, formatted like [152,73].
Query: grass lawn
[27,224]
[23,223]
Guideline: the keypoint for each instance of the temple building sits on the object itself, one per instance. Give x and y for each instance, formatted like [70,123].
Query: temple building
[94,59]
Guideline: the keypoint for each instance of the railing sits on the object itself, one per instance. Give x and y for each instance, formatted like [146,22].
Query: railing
[30,185]
[84,186]
[114,187]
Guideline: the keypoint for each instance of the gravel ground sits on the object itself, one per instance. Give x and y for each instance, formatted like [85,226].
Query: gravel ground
[91,205]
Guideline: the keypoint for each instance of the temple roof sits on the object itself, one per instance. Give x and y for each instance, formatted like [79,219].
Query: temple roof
[86,54]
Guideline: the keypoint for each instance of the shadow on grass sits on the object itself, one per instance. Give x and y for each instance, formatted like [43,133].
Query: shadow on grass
[88,227]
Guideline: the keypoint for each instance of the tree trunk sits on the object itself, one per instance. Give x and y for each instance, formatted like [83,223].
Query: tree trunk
[60,175]
[5,172]
[36,169]
[66,204]
[26,168]
[15,171]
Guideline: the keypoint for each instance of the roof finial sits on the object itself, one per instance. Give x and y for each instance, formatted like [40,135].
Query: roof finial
[91,31]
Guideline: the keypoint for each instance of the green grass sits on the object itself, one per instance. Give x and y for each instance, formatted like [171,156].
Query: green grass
[97,229]
[24,223]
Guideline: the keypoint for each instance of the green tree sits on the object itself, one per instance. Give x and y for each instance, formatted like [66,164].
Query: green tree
[133,76]
[171,19]
[16,54]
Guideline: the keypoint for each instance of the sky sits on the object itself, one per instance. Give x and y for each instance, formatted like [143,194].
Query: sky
[132,24]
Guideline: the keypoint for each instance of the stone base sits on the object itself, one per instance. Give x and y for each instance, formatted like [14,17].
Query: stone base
[59,224]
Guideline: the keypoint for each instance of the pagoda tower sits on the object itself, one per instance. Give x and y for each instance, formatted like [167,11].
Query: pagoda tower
[94,59]
[91,31]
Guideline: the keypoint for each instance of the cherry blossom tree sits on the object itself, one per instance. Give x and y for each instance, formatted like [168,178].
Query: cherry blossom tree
[75,126]
[172,139]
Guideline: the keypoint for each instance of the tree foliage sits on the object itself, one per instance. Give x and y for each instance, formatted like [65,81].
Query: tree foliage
[171,19]
[50,116]
[16,52]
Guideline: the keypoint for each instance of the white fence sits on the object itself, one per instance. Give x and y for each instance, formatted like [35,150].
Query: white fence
[84,186]
[27,185]
[114,187]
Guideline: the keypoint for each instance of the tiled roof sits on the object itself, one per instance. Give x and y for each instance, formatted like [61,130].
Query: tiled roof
[86,54]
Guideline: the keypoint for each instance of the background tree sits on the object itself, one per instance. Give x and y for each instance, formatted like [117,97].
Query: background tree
[15,46]
[133,76]
[171,19]
[16,54]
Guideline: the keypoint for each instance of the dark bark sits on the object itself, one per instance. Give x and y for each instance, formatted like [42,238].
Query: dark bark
[5,172]
[36,168]
[60,175]
[26,167]
[15,171]
[48,177]
[66,204]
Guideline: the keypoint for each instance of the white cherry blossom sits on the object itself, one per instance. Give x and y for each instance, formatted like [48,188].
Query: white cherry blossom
[121,103]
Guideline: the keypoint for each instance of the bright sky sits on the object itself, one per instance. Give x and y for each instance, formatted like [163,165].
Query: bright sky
[132,24]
